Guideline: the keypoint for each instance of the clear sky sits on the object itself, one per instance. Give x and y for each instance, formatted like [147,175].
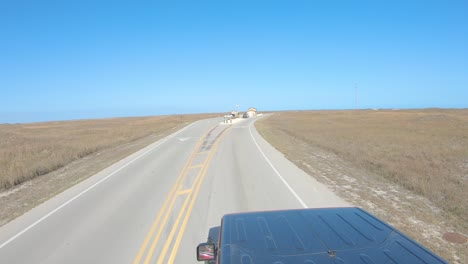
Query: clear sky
[85,59]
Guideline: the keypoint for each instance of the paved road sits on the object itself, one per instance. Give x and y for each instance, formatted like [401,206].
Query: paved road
[156,205]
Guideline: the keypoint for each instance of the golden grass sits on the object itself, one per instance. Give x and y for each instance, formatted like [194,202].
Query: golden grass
[31,150]
[426,151]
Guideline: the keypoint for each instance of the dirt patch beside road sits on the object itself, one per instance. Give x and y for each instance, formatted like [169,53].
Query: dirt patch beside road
[111,140]
[349,150]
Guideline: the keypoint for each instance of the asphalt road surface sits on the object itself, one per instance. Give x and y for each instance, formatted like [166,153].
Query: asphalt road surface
[156,205]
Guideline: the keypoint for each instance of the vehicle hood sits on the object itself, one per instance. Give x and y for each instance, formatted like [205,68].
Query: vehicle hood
[329,235]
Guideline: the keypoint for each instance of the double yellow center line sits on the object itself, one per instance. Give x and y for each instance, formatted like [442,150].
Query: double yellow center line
[204,152]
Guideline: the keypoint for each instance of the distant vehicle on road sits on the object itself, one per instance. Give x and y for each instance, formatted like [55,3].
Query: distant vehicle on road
[327,235]
[234,114]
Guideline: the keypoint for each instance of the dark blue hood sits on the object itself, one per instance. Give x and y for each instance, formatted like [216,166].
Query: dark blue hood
[330,235]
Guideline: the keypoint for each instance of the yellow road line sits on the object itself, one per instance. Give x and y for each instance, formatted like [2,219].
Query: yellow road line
[163,224]
[171,235]
[176,224]
[153,227]
[175,248]
[168,206]
[182,192]
[158,218]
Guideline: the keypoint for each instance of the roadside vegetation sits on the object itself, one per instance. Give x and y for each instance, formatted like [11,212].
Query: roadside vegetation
[425,151]
[34,149]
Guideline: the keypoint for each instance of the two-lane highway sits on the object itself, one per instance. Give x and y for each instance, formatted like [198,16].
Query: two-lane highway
[156,205]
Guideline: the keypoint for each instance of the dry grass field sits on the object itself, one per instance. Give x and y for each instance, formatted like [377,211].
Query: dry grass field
[410,167]
[35,149]
[424,151]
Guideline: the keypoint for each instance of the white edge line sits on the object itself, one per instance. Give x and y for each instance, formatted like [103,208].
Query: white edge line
[87,189]
[275,170]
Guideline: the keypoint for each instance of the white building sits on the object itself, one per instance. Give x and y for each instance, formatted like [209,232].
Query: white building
[251,112]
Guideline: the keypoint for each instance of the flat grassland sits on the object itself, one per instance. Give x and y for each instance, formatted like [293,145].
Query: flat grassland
[422,153]
[35,149]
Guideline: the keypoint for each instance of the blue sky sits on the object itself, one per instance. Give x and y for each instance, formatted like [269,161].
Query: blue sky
[64,60]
